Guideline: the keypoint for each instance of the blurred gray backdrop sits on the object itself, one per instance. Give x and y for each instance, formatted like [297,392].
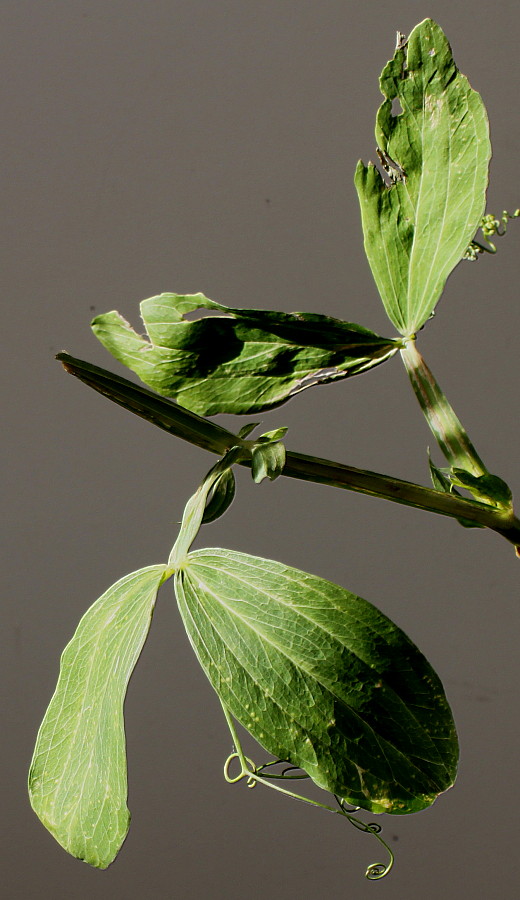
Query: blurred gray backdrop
[186,146]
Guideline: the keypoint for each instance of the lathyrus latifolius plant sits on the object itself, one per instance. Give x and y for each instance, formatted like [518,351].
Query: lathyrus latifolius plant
[326,683]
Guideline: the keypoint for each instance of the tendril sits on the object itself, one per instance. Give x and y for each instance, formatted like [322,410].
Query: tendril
[244,772]
[374,871]
[343,806]
[254,774]
[489,226]
[283,774]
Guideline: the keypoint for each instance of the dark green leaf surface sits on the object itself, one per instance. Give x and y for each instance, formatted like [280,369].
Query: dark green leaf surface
[77,781]
[417,229]
[320,678]
[238,360]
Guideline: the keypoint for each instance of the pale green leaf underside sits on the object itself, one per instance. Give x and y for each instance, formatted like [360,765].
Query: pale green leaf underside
[267,460]
[77,780]
[236,360]
[418,229]
[320,678]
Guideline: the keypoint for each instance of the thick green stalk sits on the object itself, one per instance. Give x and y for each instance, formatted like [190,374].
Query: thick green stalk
[206,434]
[444,424]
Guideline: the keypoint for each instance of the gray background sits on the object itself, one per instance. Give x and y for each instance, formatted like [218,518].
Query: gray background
[185,146]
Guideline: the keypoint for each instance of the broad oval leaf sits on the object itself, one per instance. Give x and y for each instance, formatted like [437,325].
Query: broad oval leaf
[237,360]
[437,152]
[320,678]
[77,779]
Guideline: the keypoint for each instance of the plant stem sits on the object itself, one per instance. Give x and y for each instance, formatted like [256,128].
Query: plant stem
[444,424]
[206,434]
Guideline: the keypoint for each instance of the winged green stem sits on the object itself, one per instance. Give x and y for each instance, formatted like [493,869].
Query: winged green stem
[206,434]
[150,406]
[444,424]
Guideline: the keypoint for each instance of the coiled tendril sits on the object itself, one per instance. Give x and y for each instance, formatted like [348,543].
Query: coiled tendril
[266,775]
[374,871]
[489,226]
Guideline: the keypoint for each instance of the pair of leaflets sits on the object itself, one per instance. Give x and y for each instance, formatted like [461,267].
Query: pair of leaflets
[417,224]
[317,675]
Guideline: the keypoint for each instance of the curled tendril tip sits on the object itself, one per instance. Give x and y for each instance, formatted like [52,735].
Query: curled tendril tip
[254,774]
[490,226]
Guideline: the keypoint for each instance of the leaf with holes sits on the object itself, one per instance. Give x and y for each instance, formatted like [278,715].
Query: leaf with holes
[320,678]
[237,360]
[436,150]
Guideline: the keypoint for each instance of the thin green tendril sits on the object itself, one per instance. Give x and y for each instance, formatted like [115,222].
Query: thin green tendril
[244,773]
[489,226]
[260,770]
[257,774]
[374,871]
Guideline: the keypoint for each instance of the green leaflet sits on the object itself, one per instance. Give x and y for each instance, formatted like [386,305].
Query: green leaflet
[486,488]
[442,482]
[320,678]
[222,497]
[267,461]
[77,780]
[268,455]
[418,228]
[240,362]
